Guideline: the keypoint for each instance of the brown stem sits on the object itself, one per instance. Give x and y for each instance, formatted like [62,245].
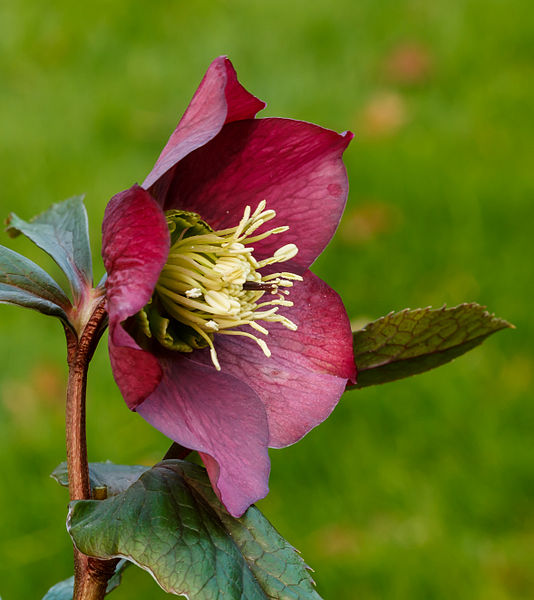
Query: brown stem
[90,574]
[176,451]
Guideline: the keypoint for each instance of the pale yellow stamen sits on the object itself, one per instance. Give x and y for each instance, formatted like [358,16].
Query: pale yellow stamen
[211,281]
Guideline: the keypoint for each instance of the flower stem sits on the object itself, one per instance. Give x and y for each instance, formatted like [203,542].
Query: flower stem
[90,574]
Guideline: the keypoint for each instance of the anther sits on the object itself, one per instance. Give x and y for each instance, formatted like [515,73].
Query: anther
[260,286]
[193,293]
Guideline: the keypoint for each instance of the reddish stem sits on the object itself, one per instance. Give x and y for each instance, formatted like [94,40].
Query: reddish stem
[90,574]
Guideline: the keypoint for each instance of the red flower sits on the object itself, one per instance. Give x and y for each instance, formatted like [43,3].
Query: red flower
[193,286]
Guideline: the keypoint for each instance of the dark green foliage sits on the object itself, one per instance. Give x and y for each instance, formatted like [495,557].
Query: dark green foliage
[115,478]
[62,232]
[171,524]
[413,341]
[23,283]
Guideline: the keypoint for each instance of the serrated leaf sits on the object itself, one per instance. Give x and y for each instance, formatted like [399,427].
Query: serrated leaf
[24,283]
[64,590]
[62,232]
[171,524]
[413,341]
[116,478]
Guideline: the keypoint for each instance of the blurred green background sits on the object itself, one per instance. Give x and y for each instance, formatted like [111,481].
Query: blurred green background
[422,489]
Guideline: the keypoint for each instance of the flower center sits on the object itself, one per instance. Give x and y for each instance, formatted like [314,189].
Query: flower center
[211,284]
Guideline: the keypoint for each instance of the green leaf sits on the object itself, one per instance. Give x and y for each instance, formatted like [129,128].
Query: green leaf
[24,283]
[62,232]
[171,524]
[64,590]
[413,341]
[116,478]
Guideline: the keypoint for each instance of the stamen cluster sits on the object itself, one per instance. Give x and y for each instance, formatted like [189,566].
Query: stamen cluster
[211,281]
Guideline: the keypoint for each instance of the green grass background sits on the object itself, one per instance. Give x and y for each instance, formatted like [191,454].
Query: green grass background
[422,489]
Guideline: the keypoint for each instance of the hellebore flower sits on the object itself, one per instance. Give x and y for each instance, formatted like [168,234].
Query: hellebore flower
[194,285]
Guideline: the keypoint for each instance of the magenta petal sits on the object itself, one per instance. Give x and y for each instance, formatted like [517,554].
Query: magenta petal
[219,99]
[295,166]
[135,246]
[219,416]
[136,372]
[302,381]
